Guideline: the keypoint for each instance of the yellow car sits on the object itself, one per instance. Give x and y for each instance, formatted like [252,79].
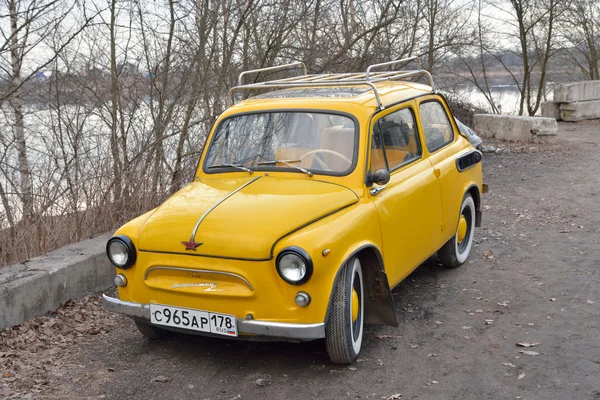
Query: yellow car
[311,201]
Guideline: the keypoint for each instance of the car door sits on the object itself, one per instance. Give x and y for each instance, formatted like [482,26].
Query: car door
[408,205]
[440,140]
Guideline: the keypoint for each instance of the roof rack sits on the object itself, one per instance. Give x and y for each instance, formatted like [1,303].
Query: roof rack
[368,78]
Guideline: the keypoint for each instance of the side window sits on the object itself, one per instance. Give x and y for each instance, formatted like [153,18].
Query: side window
[436,126]
[395,140]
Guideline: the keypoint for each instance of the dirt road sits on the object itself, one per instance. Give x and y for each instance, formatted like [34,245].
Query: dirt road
[532,278]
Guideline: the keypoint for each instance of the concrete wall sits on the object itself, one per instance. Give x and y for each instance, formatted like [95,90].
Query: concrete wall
[577,91]
[33,288]
[580,110]
[550,109]
[514,128]
[574,101]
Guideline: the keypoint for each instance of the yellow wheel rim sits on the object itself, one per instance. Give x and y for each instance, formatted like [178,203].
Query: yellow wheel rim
[355,305]
[462,229]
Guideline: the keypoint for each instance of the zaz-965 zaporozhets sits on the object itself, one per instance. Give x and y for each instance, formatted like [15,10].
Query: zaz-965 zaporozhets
[310,202]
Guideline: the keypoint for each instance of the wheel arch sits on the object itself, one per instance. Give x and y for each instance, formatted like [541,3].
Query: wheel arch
[379,302]
[473,190]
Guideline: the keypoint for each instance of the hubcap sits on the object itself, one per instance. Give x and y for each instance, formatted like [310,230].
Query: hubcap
[462,229]
[355,305]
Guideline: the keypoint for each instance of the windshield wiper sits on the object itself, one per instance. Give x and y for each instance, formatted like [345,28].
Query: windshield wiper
[233,166]
[287,162]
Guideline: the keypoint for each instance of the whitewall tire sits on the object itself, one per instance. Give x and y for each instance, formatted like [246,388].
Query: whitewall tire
[345,327]
[456,251]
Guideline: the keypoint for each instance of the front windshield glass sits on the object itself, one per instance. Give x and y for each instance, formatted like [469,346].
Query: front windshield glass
[303,142]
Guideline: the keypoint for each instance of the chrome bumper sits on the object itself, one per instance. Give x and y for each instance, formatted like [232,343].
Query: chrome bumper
[246,326]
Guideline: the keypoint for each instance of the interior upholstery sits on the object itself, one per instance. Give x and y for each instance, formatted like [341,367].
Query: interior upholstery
[340,140]
[291,153]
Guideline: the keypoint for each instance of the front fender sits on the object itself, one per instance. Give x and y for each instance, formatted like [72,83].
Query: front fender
[331,242]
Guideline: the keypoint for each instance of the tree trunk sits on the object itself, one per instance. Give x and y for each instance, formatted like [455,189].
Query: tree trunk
[15,101]
[7,210]
[114,88]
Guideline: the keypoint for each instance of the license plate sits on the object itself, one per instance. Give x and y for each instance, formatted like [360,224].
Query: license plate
[197,320]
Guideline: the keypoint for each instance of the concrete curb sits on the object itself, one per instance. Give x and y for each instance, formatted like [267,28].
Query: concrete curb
[514,128]
[40,285]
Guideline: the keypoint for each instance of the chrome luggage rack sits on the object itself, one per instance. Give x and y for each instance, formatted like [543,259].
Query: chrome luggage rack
[322,80]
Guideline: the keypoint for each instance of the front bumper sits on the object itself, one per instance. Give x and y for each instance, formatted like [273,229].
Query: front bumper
[246,326]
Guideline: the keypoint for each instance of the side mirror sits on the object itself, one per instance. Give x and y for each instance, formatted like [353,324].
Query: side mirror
[380,177]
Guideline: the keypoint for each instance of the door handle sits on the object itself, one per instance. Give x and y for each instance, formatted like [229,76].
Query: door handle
[375,190]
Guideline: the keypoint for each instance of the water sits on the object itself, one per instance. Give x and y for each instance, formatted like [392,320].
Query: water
[506,97]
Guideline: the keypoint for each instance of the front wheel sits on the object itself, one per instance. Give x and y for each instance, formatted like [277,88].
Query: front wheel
[344,330]
[456,251]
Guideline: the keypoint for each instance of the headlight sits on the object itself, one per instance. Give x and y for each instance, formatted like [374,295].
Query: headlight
[120,251]
[294,265]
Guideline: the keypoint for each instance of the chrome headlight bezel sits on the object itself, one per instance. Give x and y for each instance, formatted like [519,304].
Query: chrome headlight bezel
[303,256]
[129,246]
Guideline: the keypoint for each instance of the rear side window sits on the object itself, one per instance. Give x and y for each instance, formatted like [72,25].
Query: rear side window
[437,129]
[395,140]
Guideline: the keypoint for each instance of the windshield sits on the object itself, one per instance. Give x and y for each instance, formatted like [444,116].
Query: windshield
[303,142]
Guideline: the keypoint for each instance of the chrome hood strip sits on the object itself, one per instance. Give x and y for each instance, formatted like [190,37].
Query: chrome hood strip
[204,271]
[195,230]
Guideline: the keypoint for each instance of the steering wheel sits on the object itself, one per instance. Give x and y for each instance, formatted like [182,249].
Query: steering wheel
[325,151]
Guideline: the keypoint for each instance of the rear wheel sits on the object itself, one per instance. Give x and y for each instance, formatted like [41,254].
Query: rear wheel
[344,330]
[151,332]
[456,251]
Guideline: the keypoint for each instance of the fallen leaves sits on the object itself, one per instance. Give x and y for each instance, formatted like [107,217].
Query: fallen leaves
[35,351]
[394,396]
[161,379]
[489,255]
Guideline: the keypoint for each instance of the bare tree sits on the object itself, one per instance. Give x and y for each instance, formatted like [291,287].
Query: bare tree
[474,62]
[445,22]
[580,27]
[531,24]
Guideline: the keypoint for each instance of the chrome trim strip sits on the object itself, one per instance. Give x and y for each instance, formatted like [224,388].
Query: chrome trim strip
[125,307]
[195,230]
[282,329]
[206,271]
[248,326]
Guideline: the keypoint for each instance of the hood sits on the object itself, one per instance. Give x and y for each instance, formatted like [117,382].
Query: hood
[239,218]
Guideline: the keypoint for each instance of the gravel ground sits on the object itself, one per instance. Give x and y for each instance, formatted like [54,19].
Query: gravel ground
[531,279]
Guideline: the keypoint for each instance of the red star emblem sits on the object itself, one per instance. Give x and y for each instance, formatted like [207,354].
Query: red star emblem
[191,245]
